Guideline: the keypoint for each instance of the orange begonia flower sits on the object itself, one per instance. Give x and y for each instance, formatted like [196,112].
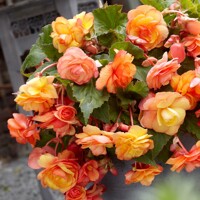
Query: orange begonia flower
[142,173]
[162,72]
[117,74]
[186,85]
[164,111]
[88,172]
[76,193]
[59,174]
[95,139]
[38,94]
[60,120]
[71,33]
[148,24]
[133,143]
[23,129]
[182,159]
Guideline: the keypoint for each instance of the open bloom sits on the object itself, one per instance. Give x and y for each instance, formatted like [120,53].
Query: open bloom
[60,120]
[192,44]
[186,85]
[133,143]
[148,24]
[23,129]
[161,73]
[71,33]
[88,172]
[58,174]
[38,94]
[76,66]
[142,173]
[94,139]
[182,159]
[117,74]
[164,111]
[76,193]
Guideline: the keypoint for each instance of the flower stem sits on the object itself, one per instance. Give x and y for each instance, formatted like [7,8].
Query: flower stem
[46,68]
[181,144]
[131,115]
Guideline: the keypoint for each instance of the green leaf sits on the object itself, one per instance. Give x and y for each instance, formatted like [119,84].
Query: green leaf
[89,98]
[160,140]
[127,46]
[134,91]
[46,44]
[109,19]
[45,136]
[192,7]
[35,56]
[146,159]
[159,5]
[190,124]
[141,73]
[102,113]
[110,38]
[114,108]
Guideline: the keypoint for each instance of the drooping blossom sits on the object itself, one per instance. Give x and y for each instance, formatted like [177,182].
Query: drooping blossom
[95,192]
[88,172]
[182,159]
[148,24]
[163,112]
[192,44]
[34,157]
[142,173]
[58,174]
[95,139]
[60,120]
[38,94]
[23,129]
[162,72]
[117,74]
[76,66]
[188,24]
[177,49]
[71,33]
[133,143]
[182,84]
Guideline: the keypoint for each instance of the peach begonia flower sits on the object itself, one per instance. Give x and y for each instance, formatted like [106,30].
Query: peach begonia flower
[117,74]
[133,143]
[88,172]
[142,173]
[23,129]
[60,120]
[38,94]
[148,24]
[189,25]
[71,33]
[162,72]
[76,66]
[163,112]
[182,159]
[182,84]
[95,139]
[192,44]
[58,174]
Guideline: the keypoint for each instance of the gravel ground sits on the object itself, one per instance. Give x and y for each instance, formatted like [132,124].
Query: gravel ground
[18,182]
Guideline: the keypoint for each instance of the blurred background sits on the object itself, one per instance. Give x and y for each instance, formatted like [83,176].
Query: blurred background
[20,24]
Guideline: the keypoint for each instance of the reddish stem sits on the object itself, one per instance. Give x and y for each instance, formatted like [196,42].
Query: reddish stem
[181,144]
[131,115]
[46,68]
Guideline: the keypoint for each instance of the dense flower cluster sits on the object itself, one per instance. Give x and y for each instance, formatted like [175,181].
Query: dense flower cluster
[124,86]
